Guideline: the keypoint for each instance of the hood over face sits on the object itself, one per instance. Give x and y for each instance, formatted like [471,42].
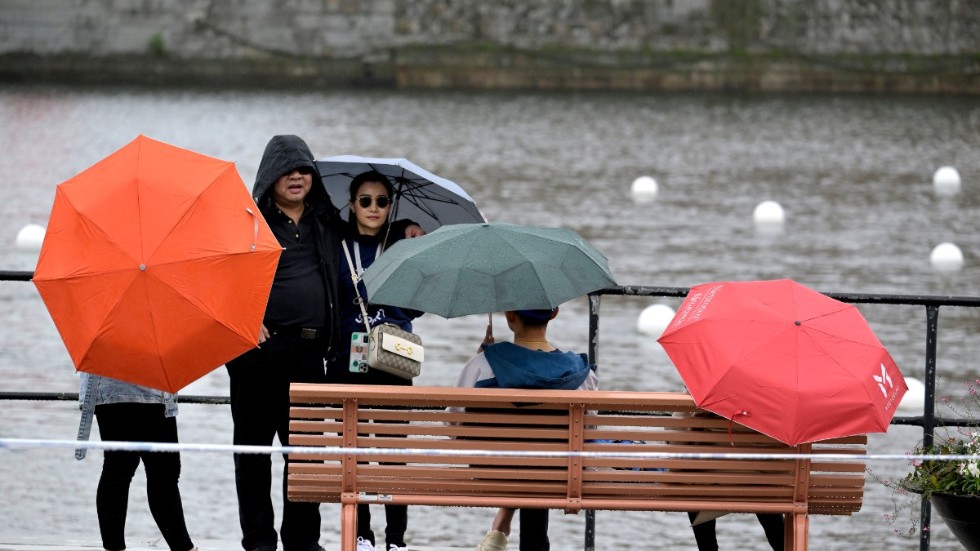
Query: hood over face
[518,367]
[282,155]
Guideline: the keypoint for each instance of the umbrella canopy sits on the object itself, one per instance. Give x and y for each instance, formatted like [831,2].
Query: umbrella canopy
[156,265]
[420,196]
[491,267]
[784,360]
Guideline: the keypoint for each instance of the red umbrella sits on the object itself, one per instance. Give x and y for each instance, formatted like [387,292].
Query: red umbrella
[784,360]
[156,266]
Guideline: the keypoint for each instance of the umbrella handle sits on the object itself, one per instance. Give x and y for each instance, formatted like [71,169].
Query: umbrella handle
[488,336]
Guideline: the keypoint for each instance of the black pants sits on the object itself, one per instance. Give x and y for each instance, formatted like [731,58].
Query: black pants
[533,534]
[772,523]
[396,522]
[132,422]
[260,409]
[396,516]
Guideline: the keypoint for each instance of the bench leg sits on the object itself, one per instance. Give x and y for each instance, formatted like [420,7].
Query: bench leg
[797,532]
[348,526]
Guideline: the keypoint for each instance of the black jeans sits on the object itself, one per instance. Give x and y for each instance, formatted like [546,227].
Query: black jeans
[533,535]
[772,524]
[260,409]
[396,523]
[133,422]
[396,516]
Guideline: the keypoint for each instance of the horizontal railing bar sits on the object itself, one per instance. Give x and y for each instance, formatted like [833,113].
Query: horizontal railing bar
[8,275]
[680,292]
[220,400]
[73,396]
[864,298]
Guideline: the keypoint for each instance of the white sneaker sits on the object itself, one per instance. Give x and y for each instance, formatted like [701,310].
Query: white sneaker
[495,540]
[393,547]
[364,545]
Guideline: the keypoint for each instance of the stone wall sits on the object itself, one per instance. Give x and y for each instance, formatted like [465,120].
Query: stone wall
[796,45]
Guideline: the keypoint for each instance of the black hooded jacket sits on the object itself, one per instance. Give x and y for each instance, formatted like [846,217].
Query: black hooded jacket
[282,155]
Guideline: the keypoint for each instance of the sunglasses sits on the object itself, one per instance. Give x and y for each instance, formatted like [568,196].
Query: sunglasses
[381,200]
[304,170]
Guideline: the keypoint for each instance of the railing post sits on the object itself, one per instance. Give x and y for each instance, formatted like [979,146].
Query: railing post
[929,415]
[593,359]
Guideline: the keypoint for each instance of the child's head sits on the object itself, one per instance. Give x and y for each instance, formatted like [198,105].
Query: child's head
[536,318]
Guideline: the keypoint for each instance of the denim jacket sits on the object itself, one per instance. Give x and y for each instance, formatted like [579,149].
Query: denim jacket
[96,390]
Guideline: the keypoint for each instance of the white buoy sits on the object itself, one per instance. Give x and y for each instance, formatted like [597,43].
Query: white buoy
[913,403]
[654,319]
[946,181]
[768,213]
[30,237]
[644,189]
[946,257]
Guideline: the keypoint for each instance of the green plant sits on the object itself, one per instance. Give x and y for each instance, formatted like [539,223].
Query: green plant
[157,46]
[949,476]
[951,465]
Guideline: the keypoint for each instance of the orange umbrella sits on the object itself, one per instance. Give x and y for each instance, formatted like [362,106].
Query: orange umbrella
[156,265]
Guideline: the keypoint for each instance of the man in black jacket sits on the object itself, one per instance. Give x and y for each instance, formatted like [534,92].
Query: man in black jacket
[298,332]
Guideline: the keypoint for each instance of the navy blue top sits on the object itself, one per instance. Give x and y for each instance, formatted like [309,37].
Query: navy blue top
[351,319]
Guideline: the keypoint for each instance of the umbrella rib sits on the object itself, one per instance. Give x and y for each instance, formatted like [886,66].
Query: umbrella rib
[840,364]
[187,211]
[153,325]
[191,303]
[843,337]
[106,237]
[732,361]
[108,311]
[843,307]
[534,266]
[139,209]
[416,199]
[459,275]
[552,302]
[433,192]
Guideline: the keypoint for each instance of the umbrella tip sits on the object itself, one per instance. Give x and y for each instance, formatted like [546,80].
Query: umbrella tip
[797,322]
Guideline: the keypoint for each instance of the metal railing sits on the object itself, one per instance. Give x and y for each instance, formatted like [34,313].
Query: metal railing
[928,421]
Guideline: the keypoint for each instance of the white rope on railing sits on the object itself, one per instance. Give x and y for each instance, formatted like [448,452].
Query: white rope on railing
[28,443]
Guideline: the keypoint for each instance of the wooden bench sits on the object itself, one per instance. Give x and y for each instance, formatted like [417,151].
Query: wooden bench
[382,417]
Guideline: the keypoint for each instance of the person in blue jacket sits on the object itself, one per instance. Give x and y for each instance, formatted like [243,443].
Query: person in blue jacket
[530,361]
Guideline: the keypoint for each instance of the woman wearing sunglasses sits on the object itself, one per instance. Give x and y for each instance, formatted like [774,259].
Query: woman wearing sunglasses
[366,235]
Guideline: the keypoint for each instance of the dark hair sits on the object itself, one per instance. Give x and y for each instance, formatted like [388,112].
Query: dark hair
[370,176]
[535,318]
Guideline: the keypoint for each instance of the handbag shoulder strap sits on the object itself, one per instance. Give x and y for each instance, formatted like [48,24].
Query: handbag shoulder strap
[356,279]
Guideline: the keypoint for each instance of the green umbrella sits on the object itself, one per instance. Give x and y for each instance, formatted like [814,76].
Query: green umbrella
[462,269]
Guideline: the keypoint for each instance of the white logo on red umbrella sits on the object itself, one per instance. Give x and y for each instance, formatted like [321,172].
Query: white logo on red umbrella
[885,378]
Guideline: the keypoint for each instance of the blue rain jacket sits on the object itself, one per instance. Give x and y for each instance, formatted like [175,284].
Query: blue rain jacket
[518,367]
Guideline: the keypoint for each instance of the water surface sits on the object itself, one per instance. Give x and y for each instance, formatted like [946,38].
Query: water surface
[853,174]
